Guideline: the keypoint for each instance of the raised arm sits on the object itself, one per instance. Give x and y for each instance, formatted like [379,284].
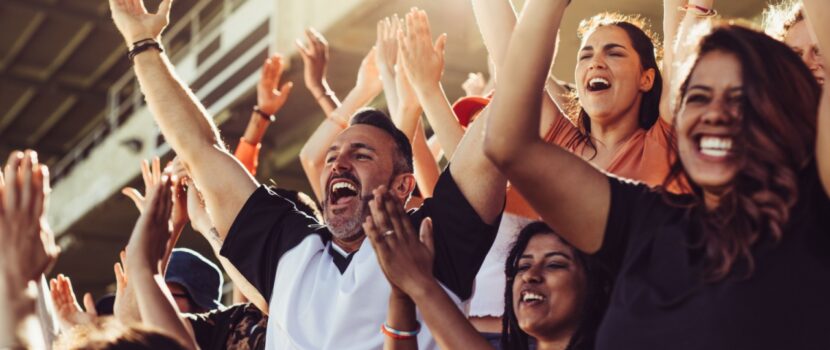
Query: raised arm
[386,49]
[818,16]
[423,63]
[676,25]
[548,175]
[315,55]
[144,254]
[183,121]
[27,249]
[271,96]
[496,20]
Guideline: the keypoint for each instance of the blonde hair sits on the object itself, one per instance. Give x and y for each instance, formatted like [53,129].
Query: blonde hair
[781,17]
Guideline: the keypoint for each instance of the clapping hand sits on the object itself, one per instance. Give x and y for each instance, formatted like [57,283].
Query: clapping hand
[151,234]
[387,43]
[27,246]
[423,61]
[315,55]
[405,256]
[69,312]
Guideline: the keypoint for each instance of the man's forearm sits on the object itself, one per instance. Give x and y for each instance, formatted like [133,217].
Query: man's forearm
[181,117]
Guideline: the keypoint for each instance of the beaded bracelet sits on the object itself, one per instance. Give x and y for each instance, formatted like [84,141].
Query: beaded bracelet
[141,46]
[266,116]
[400,335]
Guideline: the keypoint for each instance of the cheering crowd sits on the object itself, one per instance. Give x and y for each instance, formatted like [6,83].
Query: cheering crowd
[675,196]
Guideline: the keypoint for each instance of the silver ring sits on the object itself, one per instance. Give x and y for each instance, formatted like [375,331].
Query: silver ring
[389,233]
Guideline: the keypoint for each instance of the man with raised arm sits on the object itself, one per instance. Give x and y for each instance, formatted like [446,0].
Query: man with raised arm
[322,281]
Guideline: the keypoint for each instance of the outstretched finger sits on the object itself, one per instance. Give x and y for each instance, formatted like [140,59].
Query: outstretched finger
[145,174]
[312,41]
[320,41]
[156,168]
[164,8]
[89,305]
[12,185]
[136,196]
[26,167]
[278,68]
[441,43]
[120,276]
[267,69]
[304,51]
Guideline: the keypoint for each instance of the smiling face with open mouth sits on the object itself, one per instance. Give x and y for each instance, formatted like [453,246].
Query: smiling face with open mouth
[708,122]
[609,75]
[548,288]
[359,160]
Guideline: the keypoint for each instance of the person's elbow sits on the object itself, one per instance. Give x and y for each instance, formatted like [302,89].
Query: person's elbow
[499,150]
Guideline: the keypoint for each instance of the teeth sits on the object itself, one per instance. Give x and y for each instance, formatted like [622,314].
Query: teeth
[714,142]
[339,185]
[528,296]
[598,81]
[715,146]
[714,152]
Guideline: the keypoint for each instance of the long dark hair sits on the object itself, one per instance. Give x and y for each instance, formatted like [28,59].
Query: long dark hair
[595,300]
[775,143]
[642,40]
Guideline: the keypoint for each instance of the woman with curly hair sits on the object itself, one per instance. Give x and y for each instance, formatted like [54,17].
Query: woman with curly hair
[738,263]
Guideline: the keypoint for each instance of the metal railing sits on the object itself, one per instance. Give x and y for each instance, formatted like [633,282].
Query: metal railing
[187,35]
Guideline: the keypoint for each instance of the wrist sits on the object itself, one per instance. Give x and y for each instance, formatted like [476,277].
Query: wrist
[428,89]
[423,289]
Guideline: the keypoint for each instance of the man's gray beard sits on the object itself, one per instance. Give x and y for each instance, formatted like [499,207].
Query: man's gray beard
[352,228]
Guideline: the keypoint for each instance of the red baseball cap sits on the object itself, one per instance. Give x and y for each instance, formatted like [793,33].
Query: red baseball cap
[466,108]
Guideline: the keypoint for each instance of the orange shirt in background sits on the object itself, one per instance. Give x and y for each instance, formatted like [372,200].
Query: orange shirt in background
[645,157]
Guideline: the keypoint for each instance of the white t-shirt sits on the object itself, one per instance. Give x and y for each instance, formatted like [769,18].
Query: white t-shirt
[488,295]
[319,299]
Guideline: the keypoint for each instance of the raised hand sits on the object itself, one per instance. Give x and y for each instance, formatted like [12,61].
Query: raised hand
[69,312]
[368,76]
[405,256]
[315,55]
[423,61]
[270,95]
[135,23]
[27,246]
[474,85]
[125,308]
[387,44]
[152,174]
[151,234]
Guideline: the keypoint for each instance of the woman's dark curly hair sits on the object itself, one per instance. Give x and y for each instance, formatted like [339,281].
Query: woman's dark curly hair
[595,301]
[775,143]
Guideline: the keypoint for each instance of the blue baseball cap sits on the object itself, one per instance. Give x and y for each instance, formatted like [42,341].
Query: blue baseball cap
[199,276]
